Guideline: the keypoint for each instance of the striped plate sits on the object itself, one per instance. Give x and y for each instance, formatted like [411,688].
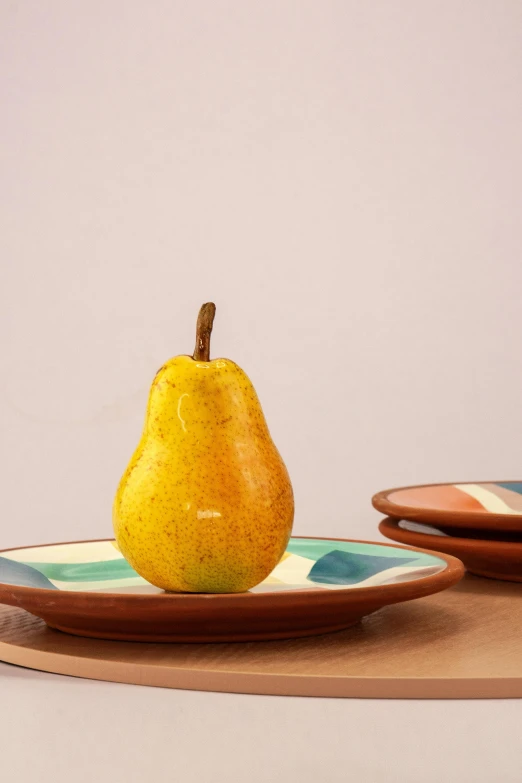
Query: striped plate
[99,566]
[482,505]
[320,585]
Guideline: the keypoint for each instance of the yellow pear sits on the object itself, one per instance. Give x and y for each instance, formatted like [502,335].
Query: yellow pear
[206,503]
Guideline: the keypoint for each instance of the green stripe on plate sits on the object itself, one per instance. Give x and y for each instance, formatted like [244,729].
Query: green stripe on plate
[103,570]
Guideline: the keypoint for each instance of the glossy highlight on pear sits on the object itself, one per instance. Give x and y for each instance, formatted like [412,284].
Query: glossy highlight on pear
[206,502]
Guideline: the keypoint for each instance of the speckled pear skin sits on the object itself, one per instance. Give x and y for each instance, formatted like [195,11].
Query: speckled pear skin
[206,503]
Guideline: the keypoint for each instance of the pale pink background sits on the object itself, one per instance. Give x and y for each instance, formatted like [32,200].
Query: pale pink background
[343,179]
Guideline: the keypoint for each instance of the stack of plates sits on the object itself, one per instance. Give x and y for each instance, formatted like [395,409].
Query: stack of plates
[480,523]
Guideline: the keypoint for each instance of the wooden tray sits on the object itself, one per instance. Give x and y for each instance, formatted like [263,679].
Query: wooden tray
[463,643]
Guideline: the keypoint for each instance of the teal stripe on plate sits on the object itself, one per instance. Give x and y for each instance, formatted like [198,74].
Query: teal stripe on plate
[103,570]
[514,486]
[315,549]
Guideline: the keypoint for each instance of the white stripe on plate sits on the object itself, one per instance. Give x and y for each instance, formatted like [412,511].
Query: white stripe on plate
[417,527]
[293,570]
[488,499]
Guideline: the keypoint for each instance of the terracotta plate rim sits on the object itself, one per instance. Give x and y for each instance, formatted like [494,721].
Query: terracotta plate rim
[466,519]
[449,576]
[478,546]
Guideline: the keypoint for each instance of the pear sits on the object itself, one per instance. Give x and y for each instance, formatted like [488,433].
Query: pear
[206,504]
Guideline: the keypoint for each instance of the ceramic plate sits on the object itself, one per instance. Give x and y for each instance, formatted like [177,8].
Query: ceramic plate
[320,585]
[498,559]
[485,505]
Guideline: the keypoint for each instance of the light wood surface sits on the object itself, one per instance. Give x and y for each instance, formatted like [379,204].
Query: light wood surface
[463,643]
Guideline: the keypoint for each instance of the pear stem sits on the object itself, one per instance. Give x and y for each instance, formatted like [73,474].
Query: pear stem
[203,332]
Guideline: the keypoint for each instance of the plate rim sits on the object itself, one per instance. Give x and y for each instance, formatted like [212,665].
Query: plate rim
[466,519]
[450,575]
[468,545]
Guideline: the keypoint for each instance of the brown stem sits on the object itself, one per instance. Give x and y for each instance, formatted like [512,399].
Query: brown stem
[203,332]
